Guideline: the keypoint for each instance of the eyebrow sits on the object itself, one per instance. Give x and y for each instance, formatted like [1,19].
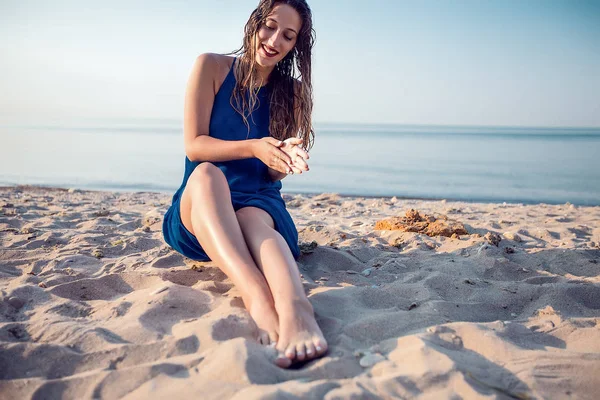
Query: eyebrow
[274,20]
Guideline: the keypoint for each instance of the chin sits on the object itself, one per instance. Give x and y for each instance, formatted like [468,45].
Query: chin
[265,63]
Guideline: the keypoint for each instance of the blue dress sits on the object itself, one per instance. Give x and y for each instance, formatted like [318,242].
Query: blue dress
[248,179]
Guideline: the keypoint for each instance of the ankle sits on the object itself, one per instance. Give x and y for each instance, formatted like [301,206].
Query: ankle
[258,299]
[293,306]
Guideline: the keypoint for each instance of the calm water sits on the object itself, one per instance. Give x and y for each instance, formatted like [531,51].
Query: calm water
[468,163]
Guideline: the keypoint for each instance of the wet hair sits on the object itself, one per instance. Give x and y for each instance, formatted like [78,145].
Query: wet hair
[291,100]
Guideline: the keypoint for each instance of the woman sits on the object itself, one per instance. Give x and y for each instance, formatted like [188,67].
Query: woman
[246,122]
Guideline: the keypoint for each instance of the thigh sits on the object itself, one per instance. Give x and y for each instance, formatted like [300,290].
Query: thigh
[185,210]
[196,191]
[249,216]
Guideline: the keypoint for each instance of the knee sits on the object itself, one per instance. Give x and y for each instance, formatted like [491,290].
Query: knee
[252,216]
[206,174]
[244,214]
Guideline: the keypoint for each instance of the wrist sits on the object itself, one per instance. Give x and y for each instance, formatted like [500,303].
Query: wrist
[252,147]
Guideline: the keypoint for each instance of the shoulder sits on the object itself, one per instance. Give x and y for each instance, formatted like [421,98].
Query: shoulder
[213,67]
[213,63]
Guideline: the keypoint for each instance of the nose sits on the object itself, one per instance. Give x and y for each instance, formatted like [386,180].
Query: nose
[275,39]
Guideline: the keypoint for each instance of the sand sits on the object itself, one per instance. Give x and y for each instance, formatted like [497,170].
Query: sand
[95,305]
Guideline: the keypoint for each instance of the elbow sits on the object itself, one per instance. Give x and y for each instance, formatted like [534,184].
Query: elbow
[191,151]
[189,155]
[195,148]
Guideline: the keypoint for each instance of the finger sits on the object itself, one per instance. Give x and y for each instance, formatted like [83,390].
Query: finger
[301,152]
[298,152]
[291,169]
[294,140]
[273,141]
[300,162]
[279,165]
[282,155]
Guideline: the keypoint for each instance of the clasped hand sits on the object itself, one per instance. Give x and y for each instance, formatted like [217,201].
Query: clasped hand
[287,156]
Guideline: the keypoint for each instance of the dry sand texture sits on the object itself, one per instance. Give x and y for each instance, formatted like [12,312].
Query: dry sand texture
[95,304]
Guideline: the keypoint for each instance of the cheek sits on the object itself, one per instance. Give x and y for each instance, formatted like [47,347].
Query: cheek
[262,34]
[289,47]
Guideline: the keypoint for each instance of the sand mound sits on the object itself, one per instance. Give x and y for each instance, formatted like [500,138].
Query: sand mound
[426,224]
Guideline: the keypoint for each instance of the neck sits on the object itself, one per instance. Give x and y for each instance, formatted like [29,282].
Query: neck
[263,73]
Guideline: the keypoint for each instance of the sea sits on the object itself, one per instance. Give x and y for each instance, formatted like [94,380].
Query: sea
[470,163]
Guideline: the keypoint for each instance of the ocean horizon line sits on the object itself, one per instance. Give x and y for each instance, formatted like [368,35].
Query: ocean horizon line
[127,188]
[329,128]
[113,122]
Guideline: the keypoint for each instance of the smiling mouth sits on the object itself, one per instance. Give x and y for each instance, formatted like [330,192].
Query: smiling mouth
[269,53]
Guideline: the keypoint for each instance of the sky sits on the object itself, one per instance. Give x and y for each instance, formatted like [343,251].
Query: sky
[499,63]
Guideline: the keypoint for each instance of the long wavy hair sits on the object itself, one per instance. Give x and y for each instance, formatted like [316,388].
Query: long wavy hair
[291,101]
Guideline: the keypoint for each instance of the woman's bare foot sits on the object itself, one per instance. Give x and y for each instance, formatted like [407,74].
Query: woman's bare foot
[264,315]
[300,337]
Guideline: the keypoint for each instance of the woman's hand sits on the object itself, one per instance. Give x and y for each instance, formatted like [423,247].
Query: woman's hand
[269,151]
[298,156]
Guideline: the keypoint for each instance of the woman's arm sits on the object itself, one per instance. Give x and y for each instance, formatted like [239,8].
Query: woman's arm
[199,146]
[199,99]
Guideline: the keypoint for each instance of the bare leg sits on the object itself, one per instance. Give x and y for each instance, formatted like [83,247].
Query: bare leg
[206,211]
[300,337]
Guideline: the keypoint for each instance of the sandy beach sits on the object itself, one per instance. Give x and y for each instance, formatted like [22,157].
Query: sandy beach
[94,304]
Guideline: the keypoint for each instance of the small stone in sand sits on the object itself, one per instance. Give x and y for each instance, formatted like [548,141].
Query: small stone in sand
[512,236]
[493,238]
[413,306]
[101,213]
[369,360]
[307,248]
[97,253]
[367,272]
[42,285]
[509,250]
[159,290]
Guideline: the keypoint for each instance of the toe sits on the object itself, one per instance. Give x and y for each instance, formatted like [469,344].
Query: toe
[282,361]
[281,346]
[310,350]
[320,346]
[300,352]
[290,352]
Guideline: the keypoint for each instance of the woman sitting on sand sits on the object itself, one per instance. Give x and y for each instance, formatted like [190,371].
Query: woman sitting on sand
[246,122]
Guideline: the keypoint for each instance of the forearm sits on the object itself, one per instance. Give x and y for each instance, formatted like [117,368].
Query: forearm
[207,148]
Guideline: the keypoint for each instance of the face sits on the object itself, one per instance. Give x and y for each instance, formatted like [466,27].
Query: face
[278,35]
